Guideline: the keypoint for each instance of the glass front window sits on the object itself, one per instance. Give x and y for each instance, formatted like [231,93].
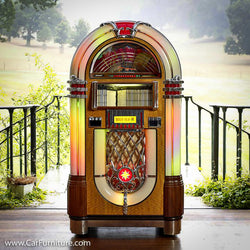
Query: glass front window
[125,95]
[125,60]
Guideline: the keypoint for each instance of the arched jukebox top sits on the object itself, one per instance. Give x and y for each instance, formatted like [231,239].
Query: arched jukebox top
[125,101]
[126,49]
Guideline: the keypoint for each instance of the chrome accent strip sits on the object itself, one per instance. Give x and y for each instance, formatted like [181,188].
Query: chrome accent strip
[172,96]
[125,204]
[77,89]
[94,95]
[173,89]
[75,80]
[78,96]
[155,86]
[174,80]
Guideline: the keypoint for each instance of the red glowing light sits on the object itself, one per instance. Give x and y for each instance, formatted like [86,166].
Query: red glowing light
[125,175]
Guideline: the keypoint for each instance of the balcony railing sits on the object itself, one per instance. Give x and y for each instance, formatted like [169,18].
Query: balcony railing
[215,118]
[15,136]
[22,133]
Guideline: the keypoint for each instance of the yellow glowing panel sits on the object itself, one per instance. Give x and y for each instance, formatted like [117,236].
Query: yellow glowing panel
[125,119]
[73,137]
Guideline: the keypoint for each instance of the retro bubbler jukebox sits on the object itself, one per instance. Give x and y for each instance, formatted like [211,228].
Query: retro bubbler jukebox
[125,110]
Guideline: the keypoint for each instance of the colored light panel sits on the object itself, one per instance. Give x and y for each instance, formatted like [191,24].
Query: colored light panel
[73,136]
[77,136]
[81,135]
[172,137]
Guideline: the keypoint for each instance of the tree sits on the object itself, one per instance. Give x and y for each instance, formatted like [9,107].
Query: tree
[80,30]
[37,4]
[62,33]
[7,14]
[8,11]
[208,18]
[29,20]
[239,15]
[52,17]
[44,34]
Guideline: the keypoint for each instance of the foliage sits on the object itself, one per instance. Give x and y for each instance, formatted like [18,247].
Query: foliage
[227,194]
[245,124]
[80,30]
[208,18]
[44,34]
[8,200]
[28,20]
[239,15]
[51,17]
[231,47]
[9,10]
[42,96]
[62,33]
[37,4]
[7,14]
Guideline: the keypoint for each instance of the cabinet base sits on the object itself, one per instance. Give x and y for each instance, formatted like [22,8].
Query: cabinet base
[80,226]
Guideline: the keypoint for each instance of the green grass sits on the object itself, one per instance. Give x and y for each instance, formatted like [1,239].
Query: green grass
[17,83]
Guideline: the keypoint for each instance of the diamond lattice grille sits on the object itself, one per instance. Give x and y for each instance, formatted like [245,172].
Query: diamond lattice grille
[125,151]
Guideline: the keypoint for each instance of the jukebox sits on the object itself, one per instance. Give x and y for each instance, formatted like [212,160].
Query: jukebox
[125,104]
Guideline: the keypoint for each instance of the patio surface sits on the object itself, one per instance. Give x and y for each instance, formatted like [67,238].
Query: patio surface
[47,226]
[202,229]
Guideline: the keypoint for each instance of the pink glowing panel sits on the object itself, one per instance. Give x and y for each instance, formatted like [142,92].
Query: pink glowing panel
[168,137]
[81,135]
[173,137]
[177,136]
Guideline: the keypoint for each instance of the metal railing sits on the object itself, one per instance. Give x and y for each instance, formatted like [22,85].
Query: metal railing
[18,137]
[215,136]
